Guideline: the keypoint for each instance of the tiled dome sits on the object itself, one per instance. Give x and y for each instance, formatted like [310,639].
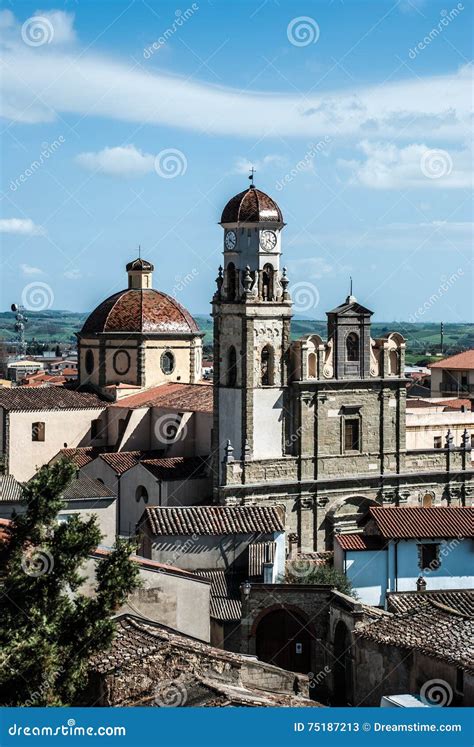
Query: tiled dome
[140,310]
[251,206]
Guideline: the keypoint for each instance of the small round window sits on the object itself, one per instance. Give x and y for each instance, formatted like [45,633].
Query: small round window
[89,362]
[167,362]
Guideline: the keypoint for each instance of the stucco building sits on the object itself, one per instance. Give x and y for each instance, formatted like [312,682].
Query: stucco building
[318,425]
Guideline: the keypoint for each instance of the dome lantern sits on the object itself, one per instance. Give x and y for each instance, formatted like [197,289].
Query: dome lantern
[139,274]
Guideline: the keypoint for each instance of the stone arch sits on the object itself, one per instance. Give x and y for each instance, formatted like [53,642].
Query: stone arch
[267,282]
[344,515]
[353,347]
[231,282]
[283,637]
[267,366]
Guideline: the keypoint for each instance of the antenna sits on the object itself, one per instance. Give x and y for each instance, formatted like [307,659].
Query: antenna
[139,251]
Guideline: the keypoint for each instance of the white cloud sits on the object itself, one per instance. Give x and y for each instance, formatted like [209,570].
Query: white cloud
[39,82]
[125,161]
[62,23]
[29,270]
[243,165]
[73,274]
[387,166]
[24,226]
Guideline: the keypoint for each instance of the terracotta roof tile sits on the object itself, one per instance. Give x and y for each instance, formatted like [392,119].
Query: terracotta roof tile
[79,457]
[360,542]
[432,631]
[83,487]
[187,397]
[136,310]
[152,565]
[251,206]
[214,520]
[5,530]
[25,398]
[462,361]
[226,605]
[459,600]
[10,489]
[412,522]
[176,468]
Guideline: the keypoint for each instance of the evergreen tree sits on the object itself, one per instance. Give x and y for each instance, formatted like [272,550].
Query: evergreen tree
[48,629]
[304,572]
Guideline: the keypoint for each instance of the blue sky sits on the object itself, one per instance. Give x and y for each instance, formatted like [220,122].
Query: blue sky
[355,115]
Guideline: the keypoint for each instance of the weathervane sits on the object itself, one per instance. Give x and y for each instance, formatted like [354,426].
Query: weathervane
[252,172]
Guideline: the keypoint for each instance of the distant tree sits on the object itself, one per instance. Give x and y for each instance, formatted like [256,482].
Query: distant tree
[305,572]
[49,630]
[58,351]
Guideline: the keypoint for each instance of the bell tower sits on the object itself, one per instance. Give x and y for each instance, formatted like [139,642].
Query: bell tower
[252,312]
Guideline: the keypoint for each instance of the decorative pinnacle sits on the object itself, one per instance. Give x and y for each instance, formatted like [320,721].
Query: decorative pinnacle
[252,172]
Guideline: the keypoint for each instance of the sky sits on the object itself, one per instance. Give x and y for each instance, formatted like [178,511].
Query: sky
[132,123]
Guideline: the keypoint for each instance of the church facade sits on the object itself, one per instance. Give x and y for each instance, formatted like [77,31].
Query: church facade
[318,426]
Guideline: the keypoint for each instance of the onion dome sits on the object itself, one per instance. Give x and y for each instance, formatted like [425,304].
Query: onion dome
[251,206]
[140,310]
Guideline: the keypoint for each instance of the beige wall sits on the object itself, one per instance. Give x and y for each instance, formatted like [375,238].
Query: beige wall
[69,428]
[181,350]
[438,375]
[422,428]
[173,599]
[104,509]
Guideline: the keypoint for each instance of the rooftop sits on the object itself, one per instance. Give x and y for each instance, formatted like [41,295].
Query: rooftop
[251,206]
[413,522]
[140,310]
[214,520]
[434,630]
[360,542]
[187,397]
[83,487]
[458,600]
[23,398]
[10,489]
[461,361]
[226,605]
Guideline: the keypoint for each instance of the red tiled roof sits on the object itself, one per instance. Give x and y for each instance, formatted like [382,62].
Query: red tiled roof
[5,530]
[412,522]
[121,461]
[459,600]
[462,361]
[137,310]
[79,457]
[213,520]
[25,398]
[435,632]
[187,397]
[226,604]
[359,542]
[251,206]
[176,468]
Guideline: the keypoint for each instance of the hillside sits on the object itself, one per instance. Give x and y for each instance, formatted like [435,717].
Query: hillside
[59,326]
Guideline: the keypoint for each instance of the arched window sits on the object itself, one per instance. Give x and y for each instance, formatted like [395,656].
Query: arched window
[167,362]
[267,282]
[266,366]
[312,365]
[231,366]
[393,363]
[141,494]
[89,362]
[352,345]
[231,282]
[427,501]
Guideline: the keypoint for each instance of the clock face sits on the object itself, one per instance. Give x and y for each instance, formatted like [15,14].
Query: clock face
[230,240]
[268,240]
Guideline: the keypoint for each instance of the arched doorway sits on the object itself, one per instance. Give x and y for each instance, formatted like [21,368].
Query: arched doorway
[342,694]
[283,639]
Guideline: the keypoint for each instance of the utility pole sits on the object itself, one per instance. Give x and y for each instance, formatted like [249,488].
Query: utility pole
[441,331]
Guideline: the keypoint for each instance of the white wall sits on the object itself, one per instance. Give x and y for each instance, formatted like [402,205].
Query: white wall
[267,423]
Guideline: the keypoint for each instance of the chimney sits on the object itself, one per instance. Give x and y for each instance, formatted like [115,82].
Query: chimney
[420,584]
